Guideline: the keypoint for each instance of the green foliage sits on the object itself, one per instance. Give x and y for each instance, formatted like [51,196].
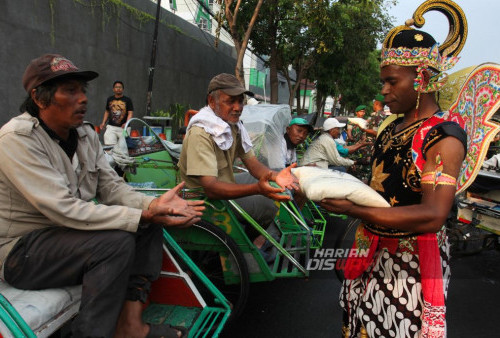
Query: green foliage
[160,113]
[351,69]
[329,42]
[175,111]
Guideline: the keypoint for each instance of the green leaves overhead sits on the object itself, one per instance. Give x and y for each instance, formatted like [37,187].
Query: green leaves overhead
[329,42]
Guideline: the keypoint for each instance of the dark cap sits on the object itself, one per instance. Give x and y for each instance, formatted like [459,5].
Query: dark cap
[360,107]
[229,84]
[379,97]
[412,38]
[51,66]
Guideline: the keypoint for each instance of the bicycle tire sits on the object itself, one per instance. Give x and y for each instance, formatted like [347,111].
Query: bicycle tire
[209,257]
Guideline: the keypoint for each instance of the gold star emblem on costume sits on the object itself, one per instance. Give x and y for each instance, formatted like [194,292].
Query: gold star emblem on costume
[397,158]
[419,37]
[378,177]
[393,201]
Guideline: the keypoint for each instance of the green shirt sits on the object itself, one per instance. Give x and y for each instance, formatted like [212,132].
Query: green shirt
[200,156]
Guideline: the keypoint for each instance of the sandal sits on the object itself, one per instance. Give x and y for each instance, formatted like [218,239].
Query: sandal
[166,331]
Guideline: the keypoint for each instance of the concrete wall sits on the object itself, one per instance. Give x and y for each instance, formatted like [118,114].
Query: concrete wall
[113,40]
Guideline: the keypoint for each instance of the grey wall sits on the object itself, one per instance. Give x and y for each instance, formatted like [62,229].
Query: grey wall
[114,41]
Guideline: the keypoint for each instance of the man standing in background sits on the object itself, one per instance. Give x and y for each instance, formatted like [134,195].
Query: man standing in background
[119,109]
[378,114]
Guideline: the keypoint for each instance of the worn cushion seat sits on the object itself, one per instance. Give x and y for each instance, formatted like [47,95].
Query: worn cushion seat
[44,310]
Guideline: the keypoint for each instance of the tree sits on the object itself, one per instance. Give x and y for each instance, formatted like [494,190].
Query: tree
[351,68]
[289,32]
[327,40]
[240,30]
[267,37]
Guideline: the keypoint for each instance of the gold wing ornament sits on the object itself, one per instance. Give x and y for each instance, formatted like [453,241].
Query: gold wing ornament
[477,102]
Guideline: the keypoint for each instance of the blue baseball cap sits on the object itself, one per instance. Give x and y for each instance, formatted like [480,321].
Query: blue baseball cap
[301,122]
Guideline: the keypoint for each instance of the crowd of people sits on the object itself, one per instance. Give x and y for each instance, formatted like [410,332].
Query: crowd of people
[53,234]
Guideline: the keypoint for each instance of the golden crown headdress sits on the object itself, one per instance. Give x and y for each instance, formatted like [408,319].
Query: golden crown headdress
[406,46]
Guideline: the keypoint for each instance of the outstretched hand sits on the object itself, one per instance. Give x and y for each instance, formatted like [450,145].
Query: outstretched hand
[171,210]
[286,179]
[269,191]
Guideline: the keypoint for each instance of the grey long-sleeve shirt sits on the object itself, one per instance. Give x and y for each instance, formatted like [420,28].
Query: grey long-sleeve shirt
[323,152]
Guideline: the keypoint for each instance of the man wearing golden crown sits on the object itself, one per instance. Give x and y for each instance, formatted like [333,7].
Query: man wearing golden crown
[399,289]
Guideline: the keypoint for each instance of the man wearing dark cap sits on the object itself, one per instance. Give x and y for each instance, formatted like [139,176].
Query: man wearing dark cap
[357,134]
[52,234]
[399,288]
[377,117]
[215,138]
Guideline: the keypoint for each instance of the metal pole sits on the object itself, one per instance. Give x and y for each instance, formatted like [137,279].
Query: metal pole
[153,60]
[265,77]
[305,93]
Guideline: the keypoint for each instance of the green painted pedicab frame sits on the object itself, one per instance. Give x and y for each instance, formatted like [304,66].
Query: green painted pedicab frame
[202,320]
[156,167]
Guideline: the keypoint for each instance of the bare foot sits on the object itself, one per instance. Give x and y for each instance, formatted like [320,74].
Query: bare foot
[131,330]
[130,324]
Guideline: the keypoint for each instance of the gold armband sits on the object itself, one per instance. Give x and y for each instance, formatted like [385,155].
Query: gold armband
[438,179]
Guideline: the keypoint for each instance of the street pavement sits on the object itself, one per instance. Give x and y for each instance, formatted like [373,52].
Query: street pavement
[309,307]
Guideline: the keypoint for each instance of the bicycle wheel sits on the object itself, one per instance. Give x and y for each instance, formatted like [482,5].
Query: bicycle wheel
[345,242]
[219,258]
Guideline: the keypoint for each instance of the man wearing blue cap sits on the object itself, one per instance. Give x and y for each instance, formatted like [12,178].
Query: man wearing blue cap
[296,133]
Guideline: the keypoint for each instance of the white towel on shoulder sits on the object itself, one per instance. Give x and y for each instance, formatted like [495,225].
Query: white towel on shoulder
[219,129]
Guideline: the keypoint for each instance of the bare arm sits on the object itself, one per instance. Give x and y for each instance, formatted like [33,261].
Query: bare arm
[105,119]
[357,146]
[130,114]
[258,169]
[349,132]
[222,190]
[371,132]
[431,213]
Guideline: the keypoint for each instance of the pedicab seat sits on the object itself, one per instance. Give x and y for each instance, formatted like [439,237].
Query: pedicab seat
[43,310]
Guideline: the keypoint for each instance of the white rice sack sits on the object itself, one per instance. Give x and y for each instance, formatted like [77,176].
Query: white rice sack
[360,122]
[318,183]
